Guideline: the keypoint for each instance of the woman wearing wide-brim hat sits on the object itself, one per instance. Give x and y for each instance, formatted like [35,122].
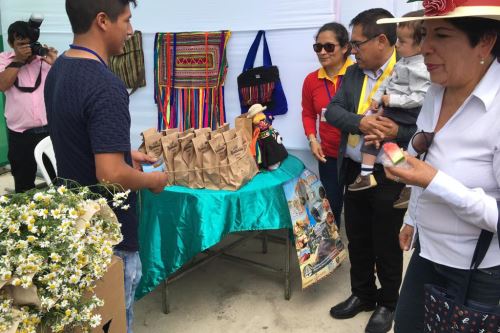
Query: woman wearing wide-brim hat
[457,178]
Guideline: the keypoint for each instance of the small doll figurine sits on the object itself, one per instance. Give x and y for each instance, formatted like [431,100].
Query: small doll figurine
[267,146]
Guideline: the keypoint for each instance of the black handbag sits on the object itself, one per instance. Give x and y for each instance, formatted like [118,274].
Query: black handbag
[454,313]
[261,84]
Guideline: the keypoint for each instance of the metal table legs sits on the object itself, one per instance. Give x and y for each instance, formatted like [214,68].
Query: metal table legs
[212,254]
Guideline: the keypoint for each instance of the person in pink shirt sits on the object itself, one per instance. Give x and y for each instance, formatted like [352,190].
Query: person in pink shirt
[22,79]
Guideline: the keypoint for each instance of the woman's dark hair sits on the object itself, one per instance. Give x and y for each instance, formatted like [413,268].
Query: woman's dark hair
[18,30]
[340,32]
[81,13]
[477,28]
[368,21]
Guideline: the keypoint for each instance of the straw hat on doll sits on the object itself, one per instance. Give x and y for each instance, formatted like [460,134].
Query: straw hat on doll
[254,109]
[443,9]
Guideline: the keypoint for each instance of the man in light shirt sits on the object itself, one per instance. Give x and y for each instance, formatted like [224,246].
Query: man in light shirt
[372,224]
[22,79]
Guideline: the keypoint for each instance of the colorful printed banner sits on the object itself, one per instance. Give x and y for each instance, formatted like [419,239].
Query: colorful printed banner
[317,240]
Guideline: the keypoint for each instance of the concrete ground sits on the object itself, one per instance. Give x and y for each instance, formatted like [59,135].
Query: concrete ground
[224,296]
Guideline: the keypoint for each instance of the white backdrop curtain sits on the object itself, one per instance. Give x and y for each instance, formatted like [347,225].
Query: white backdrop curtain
[290,24]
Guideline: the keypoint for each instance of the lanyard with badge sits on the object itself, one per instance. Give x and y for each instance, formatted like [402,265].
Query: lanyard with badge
[364,103]
[337,83]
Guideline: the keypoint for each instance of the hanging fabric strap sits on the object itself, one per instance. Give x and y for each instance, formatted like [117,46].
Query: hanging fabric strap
[252,53]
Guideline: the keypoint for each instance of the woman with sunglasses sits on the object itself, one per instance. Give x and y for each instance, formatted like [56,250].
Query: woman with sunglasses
[457,178]
[332,49]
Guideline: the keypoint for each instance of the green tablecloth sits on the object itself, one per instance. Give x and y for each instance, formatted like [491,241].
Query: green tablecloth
[180,222]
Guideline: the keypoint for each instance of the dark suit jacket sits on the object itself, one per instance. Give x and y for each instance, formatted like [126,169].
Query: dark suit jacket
[342,113]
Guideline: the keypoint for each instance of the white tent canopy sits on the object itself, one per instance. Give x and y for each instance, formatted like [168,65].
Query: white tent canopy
[291,26]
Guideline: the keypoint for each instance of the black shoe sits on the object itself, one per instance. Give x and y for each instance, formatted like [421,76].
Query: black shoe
[351,307]
[380,321]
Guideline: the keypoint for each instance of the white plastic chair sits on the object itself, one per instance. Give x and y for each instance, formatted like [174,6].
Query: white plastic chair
[45,147]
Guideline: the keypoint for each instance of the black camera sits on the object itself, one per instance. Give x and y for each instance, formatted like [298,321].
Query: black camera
[34,24]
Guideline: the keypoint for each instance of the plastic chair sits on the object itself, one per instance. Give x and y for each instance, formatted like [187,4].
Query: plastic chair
[45,147]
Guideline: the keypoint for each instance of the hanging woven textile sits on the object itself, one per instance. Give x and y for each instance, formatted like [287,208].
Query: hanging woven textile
[190,69]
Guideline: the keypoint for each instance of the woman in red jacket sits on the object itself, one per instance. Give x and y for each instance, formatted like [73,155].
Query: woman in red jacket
[332,49]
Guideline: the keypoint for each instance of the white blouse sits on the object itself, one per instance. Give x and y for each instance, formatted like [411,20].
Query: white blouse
[461,199]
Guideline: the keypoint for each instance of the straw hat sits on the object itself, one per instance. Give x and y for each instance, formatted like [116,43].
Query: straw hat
[254,109]
[441,9]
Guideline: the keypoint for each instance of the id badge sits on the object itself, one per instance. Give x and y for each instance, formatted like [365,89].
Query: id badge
[353,140]
[323,118]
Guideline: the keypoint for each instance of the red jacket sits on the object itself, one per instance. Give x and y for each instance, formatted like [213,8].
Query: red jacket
[314,99]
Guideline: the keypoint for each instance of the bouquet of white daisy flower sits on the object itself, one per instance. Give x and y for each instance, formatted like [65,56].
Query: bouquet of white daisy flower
[54,245]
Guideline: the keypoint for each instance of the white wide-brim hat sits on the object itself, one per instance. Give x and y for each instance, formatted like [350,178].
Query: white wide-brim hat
[443,9]
[254,109]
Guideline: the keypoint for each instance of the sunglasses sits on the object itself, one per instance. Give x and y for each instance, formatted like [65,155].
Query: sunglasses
[421,143]
[329,47]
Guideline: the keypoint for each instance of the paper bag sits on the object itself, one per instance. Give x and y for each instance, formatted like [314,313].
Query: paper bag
[202,131]
[211,174]
[184,161]
[171,147]
[241,164]
[168,131]
[201,147]
[245,125]
[218,145]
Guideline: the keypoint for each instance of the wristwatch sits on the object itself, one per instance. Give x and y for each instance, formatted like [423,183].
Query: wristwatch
[15,64]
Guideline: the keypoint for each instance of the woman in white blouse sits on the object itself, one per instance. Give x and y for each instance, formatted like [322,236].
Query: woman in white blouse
[457,187]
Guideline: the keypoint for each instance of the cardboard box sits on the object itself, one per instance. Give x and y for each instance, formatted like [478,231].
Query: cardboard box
[111,289]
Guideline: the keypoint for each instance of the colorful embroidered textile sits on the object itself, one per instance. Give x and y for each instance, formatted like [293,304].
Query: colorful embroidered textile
[190,69]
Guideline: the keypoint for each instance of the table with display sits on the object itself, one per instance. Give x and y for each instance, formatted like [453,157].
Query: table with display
[180,223]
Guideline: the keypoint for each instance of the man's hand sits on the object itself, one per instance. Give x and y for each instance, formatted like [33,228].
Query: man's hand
[374,105]
[51,56]
[380,129]
[160,181]
[22,50]
[405,237]
[386,100]
[139,158]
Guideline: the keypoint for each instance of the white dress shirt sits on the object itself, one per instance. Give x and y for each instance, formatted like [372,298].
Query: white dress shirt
[461,199]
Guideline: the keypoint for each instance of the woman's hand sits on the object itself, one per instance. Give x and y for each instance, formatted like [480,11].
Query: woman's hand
[405,237]
[317,151]
[419,173]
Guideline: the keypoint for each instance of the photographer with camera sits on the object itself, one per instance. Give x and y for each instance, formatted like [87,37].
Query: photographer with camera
[22,78]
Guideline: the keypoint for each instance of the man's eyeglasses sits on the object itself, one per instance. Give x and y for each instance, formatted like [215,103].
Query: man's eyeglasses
[421,143]
[329,47]
[355,45]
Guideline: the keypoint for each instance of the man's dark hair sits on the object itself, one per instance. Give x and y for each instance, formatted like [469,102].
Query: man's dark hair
[477,28]
[368,20]
[340,32]
[415,26]
[18,30]
[81,13]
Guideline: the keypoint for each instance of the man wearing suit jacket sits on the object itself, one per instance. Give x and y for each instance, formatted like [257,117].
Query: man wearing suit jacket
[372,224]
